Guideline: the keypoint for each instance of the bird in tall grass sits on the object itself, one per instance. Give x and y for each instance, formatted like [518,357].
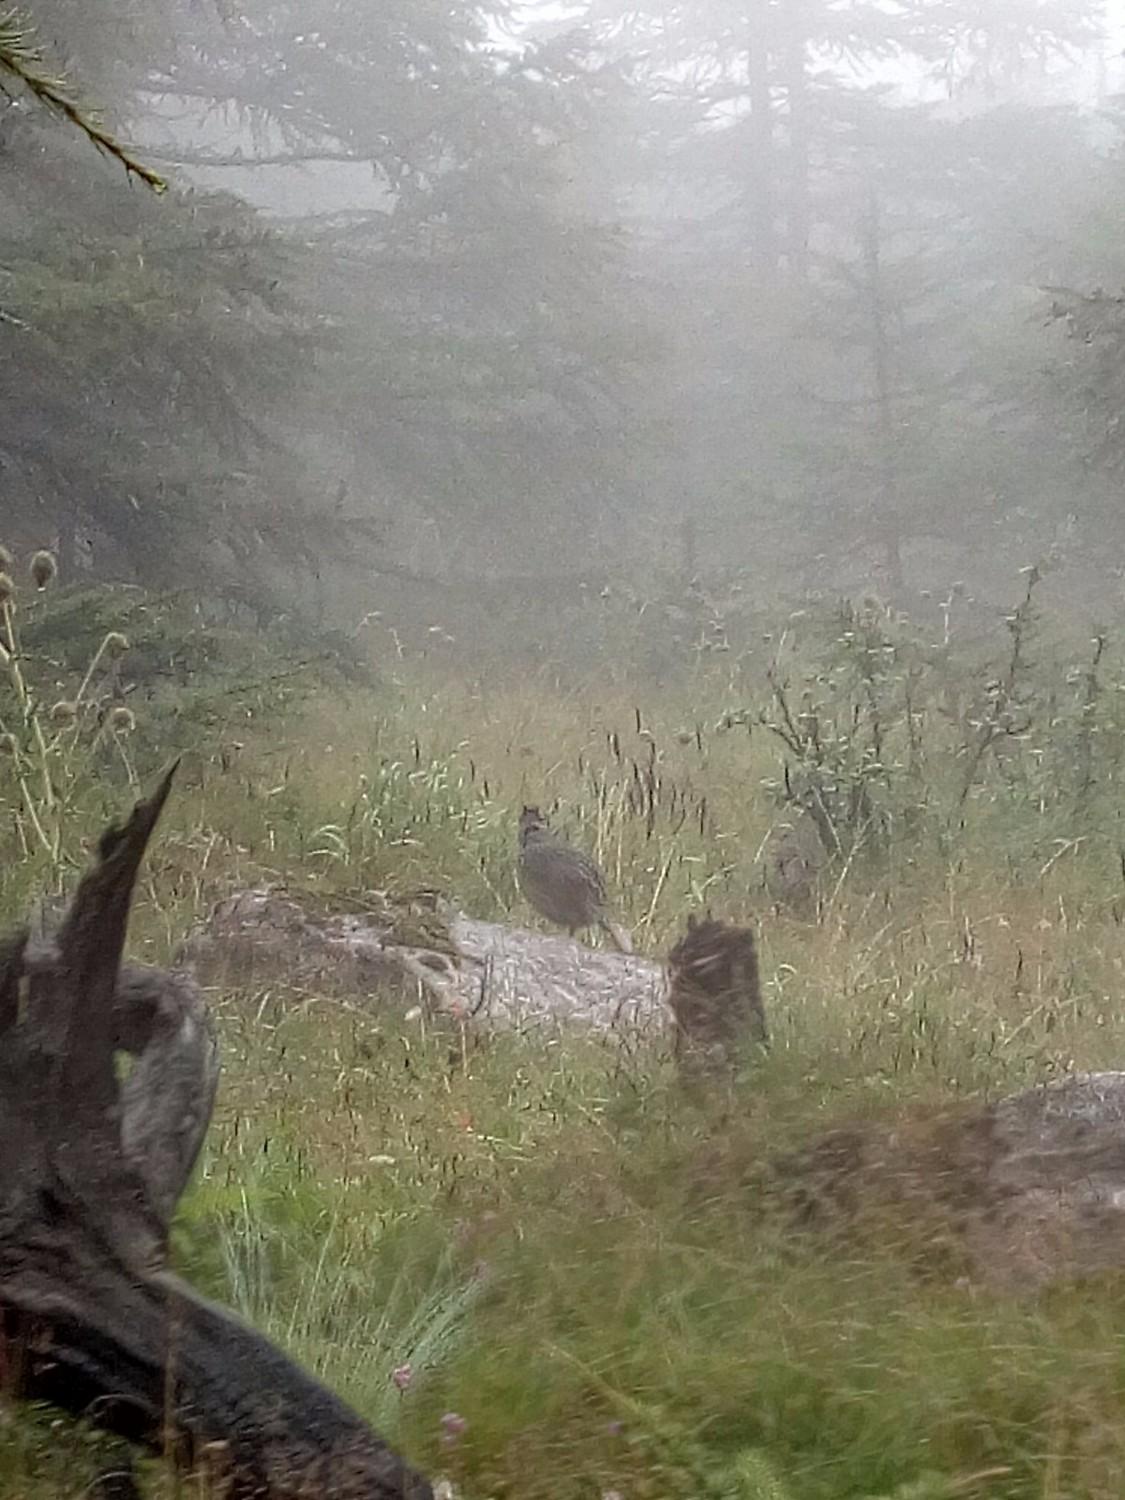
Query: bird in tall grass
[562,883]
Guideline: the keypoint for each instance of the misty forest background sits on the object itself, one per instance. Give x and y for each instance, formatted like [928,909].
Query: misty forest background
[702,419]
[455,303]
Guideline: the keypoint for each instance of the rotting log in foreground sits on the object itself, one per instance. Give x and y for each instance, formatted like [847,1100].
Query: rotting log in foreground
[91,1170]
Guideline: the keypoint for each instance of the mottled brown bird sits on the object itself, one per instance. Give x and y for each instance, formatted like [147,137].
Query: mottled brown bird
[563,884]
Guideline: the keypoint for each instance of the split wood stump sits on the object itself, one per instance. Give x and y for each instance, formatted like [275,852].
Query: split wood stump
[91,1169]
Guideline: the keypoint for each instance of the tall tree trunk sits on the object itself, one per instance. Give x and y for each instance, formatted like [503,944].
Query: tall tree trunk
[797,98]
[763,192]
[885,520]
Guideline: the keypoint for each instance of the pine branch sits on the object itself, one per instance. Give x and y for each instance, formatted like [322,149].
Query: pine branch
[22,58]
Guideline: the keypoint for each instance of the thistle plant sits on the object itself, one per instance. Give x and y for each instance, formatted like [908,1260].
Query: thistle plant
[51,745]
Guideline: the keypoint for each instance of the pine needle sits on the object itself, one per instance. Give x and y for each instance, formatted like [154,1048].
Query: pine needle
[23,59]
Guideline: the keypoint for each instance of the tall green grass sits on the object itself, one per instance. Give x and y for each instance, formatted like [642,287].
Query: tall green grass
[568,1256]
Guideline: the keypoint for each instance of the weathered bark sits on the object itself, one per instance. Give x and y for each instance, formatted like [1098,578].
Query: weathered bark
[90,1172]
[1020,1194]
[496,977]
[715,997]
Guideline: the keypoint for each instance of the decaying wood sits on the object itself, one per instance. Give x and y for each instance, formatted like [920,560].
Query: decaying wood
[715,996]
[167,1099]
[1021,1193]
[497,977]
[90,1172]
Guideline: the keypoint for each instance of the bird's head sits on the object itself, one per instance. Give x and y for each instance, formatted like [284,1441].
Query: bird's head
[531,821]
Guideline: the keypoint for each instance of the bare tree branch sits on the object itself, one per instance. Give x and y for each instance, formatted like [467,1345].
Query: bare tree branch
[238,159]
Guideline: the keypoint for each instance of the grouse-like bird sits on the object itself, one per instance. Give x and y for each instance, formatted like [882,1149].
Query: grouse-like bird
[563,884]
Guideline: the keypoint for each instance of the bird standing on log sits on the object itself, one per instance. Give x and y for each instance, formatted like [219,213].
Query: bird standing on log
[562,883]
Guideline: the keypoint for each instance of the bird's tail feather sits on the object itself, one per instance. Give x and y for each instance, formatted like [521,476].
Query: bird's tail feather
[618,936]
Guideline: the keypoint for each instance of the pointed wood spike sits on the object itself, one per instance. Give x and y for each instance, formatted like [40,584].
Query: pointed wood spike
[90,943]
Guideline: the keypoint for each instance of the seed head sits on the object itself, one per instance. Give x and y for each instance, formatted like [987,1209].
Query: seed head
[121,719]
[7,744]
[64,713]
[44,569]
[7,589]
[115,644]
[7,561]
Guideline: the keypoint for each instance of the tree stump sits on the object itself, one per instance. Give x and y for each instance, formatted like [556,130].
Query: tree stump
[715,997]
[90,1172]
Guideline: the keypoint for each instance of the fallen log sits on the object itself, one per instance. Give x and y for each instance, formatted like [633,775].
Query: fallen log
[91,1169]
[494,976]
[1018,1194]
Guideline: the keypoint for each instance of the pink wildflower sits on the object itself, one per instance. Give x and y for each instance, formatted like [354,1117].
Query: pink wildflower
[452,1426]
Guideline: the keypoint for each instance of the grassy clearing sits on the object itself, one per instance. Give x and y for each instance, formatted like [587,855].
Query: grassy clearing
[565,1255]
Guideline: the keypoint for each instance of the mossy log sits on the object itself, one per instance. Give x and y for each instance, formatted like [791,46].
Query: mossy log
[487,974]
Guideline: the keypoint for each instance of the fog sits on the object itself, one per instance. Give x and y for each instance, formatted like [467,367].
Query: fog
[799,300]
[612,511]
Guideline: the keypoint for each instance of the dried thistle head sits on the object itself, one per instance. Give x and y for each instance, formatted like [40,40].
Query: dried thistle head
[44,569]
[115,644]
[7,744]
[64,713]
[121,719]
[7,561]
[7,589]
